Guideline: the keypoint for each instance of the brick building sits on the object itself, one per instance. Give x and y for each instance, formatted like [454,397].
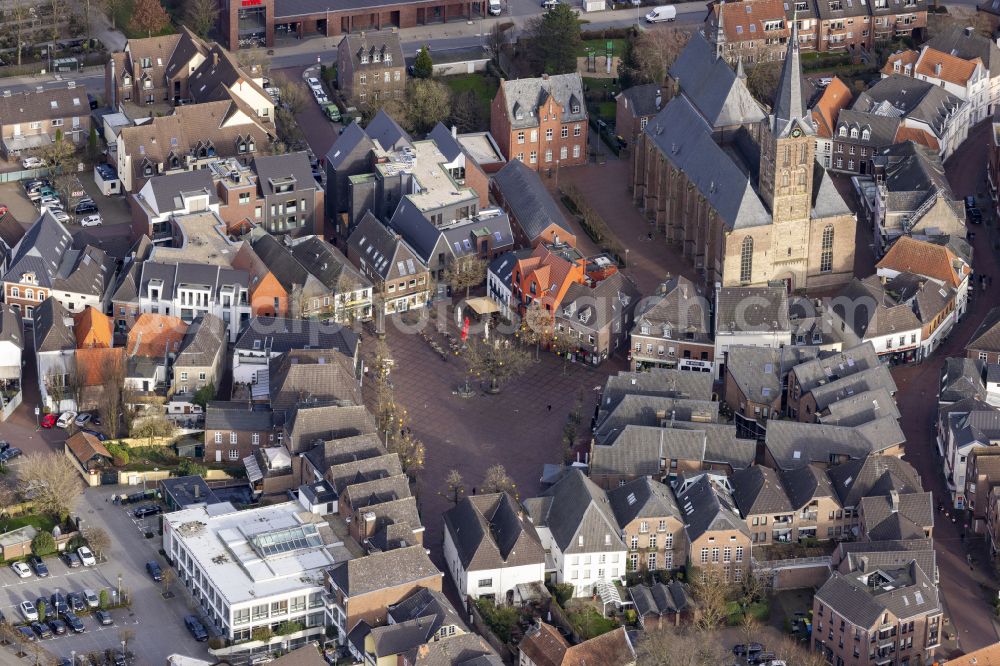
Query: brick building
[541,122]
[370,67]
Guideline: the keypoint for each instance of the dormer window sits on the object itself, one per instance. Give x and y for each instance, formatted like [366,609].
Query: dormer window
[147,170]
[854,132]
[576,108]
[364,58]
[251,146]
[843,130]
[388,57]
[147,63]
[866,134]
[645,329]
[376,57]
[126,80]
[895,66]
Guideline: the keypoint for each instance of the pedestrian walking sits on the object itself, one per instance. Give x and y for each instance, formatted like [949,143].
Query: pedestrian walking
[550,408]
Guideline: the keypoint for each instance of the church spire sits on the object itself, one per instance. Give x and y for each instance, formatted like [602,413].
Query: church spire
[720,33]
[789,100]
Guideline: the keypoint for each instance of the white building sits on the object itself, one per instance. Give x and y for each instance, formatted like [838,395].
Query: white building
[267,337]
[964,432]
[55,355]
[579,533]
[491,547]
[968,80]
[255,568]
[750,317]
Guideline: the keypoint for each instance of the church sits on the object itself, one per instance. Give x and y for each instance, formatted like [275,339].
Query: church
[736,186]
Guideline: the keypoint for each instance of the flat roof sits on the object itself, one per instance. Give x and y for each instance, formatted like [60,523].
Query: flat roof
[189,490]
[426,163]
[258,553]
[204,241]
[481,147]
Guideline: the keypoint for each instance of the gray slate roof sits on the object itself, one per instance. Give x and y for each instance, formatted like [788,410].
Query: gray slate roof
[202,342]
[328,265]
[40,251]
[281,335]
[751,309]
[11,329]
[387,132]
[712,86]
[962,378]
[445,142]
[660,599]
[706,507]
[873,475]
[279,167]
[642,99]
[681,307]
[863,597]
[492,532]
[958,42]
[50,329]
[379,571]
[662,382]
[353,140]
[906,520]
[915,99]
[758,490]
[987,336]
[574,509]
[525,96]
[236,416]
[684,138]
[642,498]
[793,444]
[527,199]
[167,189]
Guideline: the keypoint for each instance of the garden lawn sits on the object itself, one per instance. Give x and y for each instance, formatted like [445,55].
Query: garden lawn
[484,86]
[588,622]
[40,523]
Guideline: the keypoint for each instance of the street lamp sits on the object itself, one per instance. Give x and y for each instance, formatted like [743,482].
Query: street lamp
[626,257]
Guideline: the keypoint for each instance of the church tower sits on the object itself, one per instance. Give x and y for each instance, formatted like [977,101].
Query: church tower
[787,153]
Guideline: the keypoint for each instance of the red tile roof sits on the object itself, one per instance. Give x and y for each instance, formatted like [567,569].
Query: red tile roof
[836,97]
[923,258]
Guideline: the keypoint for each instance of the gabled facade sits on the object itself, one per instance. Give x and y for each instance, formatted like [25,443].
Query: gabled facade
[30,120]
[673,330]
[401,280]
[370,67]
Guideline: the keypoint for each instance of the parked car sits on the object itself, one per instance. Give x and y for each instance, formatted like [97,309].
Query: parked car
[91,221]
[21,569]
[103,618]
[549,4]
[50,200]
[975,215]
[41,630]
[59,605]
[28,634]
[91,599]
[970,201]
[49,421]
[332,111]
[314,83]
[96,433]
[71,559]
[4,445]
[39,566]
[761,658]
[28,610]
[75,602]
[146,510]
[86,556]
[10,454]
[74,622]
[85,208]
[196,628]
[32,163]
[743,649]
[60,215]
[82,419]
[66,419]
[35,183]
[57,626]
[154,571]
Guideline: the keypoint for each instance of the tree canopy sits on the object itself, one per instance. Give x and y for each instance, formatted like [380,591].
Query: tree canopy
[554,39]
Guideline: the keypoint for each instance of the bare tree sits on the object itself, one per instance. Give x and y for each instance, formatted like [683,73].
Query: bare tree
[51,481]
[680,647]
[98,540]
[411,451]
[455,485]
[111,8]
[536,326]
[468,113]
[19,15]
[293,94]
[55,384]
[792,652]
[112,404]
[710,590]
[255,61]
[497,41]
[465,272]
[763,81]
[496,361]
[8,496]
[167,578]
[497,480]
[428,102]
[153,427]
[149,16]
[200,15]
[649,54]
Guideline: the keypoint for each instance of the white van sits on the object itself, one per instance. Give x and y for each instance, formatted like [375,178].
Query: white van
[663,13]
[495,8]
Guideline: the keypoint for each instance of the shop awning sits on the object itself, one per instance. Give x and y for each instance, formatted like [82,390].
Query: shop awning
[482,305]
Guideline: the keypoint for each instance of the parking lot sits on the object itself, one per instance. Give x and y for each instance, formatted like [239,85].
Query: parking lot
[154,625]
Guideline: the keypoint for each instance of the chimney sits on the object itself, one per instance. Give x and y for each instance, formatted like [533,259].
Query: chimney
[197,491]
[659,99]
[894,500]
[454,131]
[545,77]
[215,58]
[937,69]
[969,31]
[864,563]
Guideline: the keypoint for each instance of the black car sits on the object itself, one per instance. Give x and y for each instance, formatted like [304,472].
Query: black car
[103,618]
[38,565]
[975,215]
[74,622]
[4,445]
[743,649]
[58,604]
[76,602]
[99,435]
[57,626]
[154,571]
[147,510]
[970,201]
[27,633]
[35,184]
[85,208]
[41,630]
[71,559]
[10,454]
[196,628]
[761,658]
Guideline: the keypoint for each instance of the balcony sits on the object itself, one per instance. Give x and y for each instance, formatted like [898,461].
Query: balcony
[809,516]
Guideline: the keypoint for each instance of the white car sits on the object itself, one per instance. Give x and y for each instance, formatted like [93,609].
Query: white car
[87,557]
[21,569]
[549,4]
[29,611]
[60,215]
[91,221]
[50,201]
[66,420]
[32,163]
[314,83]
